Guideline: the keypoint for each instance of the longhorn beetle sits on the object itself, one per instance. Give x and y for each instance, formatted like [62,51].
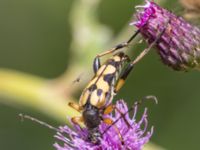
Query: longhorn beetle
[95,100]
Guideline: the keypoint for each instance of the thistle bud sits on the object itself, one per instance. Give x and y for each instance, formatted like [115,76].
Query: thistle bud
[179,46]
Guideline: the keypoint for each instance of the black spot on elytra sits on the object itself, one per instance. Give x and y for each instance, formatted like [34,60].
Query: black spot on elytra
[92,87]
[108,78]
[99,92]
[108,96]
[114,63]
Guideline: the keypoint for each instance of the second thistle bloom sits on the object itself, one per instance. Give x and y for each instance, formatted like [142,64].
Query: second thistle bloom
[179,46]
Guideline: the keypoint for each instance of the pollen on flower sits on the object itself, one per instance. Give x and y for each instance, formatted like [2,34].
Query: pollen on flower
[134,136]
[179,46]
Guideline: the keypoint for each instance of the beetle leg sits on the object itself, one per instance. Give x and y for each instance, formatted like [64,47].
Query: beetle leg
[123,77]
[75,106]
[128,69]
[77,120]
[156,41]
[119,46]
[109,121]
[108,109]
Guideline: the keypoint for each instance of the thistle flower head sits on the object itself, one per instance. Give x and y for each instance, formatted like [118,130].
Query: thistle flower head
[179,46]
[134,136]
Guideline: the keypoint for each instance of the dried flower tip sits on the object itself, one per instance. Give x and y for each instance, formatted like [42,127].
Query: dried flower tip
[134,136]
[191,4]
[192,9]
[179,46]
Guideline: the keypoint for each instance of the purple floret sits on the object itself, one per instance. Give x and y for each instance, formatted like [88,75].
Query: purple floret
[179,46]
[134,136]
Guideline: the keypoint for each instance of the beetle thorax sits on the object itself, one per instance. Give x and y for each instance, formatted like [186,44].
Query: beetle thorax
[91,116]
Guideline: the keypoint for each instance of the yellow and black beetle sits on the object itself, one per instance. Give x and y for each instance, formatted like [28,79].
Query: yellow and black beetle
[95,100]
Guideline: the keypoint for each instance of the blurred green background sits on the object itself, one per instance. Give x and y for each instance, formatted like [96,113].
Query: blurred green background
[43,38]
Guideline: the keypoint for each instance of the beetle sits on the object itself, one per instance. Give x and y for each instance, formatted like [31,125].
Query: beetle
[96,99]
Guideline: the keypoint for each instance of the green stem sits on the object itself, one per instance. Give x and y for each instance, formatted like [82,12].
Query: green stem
[33,92]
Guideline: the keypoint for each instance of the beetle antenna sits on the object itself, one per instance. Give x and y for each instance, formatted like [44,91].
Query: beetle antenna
[24,116]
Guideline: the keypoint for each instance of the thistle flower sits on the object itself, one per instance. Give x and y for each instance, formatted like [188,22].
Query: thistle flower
[179,46]
[134,137]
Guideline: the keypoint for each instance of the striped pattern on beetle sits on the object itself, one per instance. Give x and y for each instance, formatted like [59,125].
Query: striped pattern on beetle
[100,90]
[95,100]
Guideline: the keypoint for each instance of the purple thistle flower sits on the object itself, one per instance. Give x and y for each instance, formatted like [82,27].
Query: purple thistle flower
[134,137]
[179,46]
